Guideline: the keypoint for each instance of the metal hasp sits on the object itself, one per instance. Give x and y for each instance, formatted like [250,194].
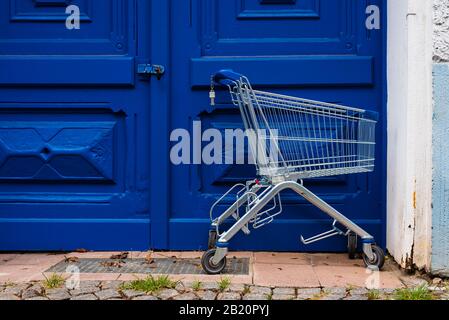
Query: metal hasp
[149,70]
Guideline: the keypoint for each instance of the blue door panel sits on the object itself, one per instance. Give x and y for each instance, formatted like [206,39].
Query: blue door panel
[74,127]
[84,141]
[318,49]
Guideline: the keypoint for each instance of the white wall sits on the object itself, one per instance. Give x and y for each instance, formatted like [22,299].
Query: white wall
[409,131]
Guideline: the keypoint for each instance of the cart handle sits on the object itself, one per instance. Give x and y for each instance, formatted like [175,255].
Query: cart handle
[227,77]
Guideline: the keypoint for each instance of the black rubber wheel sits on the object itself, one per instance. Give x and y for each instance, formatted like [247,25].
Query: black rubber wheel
[352,245]
[208,266]
[378,260]
[212,239]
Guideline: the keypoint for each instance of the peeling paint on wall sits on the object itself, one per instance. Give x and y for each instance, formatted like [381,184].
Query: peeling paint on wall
[441,30]
[410,53]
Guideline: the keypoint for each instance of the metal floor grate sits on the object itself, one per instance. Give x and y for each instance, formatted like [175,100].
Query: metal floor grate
[234,266]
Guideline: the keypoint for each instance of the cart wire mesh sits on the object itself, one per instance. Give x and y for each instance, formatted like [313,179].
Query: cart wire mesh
[298,138]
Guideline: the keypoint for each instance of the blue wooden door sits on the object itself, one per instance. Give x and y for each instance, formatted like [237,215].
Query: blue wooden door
[74,126]
[317,49]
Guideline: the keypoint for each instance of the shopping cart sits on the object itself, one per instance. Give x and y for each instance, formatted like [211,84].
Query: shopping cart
[292,139]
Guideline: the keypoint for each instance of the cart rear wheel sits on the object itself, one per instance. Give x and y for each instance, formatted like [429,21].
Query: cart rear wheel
[212,239]
[378,258]
[352,245]
[208,266]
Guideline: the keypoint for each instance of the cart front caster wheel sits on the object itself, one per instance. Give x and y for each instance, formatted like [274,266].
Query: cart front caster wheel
[208,266]
[212,239]
[352,245]
[378,258]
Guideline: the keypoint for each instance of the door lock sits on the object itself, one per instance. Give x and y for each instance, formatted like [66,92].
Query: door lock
[148,70]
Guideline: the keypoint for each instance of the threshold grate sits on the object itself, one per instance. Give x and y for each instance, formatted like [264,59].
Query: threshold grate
[235,266]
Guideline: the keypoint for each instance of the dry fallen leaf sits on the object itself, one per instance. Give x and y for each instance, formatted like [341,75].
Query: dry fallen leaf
[71,259]
[114,264]
[121,256]
[149,259]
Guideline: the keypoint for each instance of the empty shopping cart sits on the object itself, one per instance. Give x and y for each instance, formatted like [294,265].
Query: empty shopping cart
[292,139]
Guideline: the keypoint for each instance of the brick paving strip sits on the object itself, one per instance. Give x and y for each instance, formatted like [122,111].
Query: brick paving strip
[252,276]
[113,290]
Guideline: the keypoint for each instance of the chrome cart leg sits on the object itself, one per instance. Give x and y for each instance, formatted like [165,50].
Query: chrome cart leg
[373,254]
[374,257]
[234,208]
[231,210]
[245,219]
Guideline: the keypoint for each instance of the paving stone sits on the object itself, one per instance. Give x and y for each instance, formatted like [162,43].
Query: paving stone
[444,297]
[145,298]
[332,297]
[282,297]
[413,281]
[236,287]
[58,294]
[229,296]
[260,290]
[130,294]
[387,291]
[180,287]
[358,291]
[308,293]
[167,294]
[437,289]
[34,291]
[111,285]
[189,296]
[40,298]
[108,294]
[16,289]
[85,297]
[356,297]
[8,296]
[90,283]
[331,294]
[209,286]
[189,284]
[284,291]
[85,288]
[255,297]
[335,291]
[206,294]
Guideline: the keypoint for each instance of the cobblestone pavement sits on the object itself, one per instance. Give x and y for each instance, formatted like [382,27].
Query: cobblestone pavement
[269,276]
[114,290]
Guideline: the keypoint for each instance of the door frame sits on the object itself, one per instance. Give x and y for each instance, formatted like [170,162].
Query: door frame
[410,111]
[159,131]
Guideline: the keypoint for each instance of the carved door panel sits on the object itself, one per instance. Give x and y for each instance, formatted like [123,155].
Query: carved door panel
[74,126]
[318,49]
